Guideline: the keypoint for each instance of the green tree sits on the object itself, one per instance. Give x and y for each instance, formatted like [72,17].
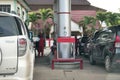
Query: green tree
[109,18]
[112,18]
[45,14]
[33,17]
[101,16]
[88,24]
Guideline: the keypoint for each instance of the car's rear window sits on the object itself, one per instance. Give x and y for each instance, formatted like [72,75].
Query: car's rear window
[118,30]
[118,33]
[8,26]
[115,30]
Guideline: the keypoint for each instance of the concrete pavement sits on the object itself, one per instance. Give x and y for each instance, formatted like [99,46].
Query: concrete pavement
[43,71]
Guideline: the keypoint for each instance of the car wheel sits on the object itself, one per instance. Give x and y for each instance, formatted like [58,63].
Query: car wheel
[92,61]
[108,64]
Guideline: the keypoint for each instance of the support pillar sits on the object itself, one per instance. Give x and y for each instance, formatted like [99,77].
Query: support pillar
[64,27]
[65,58]
[55,7]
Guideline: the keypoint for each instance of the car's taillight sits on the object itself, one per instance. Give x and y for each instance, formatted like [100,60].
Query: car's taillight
[22,44]
[117,41]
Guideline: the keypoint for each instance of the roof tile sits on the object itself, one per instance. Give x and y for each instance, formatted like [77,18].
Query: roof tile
[78,15]
[50,2]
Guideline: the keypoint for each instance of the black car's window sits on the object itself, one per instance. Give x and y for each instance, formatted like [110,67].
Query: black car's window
[115,30]
[106,35]
[96,35]
[111,35]
[118,33]
[103,36]
[8,26]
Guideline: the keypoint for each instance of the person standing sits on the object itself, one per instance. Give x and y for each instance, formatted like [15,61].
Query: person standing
[41,45]
[76,45]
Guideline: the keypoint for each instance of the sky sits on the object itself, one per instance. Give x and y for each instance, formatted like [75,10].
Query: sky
[109,5]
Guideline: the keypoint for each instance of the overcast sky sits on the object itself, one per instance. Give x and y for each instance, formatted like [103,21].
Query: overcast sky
[110,5]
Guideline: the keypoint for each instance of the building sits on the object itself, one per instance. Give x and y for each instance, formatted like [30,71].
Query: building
[76,4]
[79,9]
[19,7]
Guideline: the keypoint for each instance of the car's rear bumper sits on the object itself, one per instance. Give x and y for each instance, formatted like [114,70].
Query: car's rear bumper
[25,69]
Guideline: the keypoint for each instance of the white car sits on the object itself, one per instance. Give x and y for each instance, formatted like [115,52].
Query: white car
[16,49]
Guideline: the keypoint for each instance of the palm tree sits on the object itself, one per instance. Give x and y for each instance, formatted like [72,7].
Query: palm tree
[109,18]
[45,14]
[33,19]
[90,22]
[101,16]
[112,18]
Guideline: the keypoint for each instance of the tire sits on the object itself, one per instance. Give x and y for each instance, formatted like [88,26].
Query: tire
[92,61]
[108,64]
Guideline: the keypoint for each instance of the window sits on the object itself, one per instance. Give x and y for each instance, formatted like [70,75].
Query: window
[18,11]
[96,35]
[5,8]
[23,14]
[103,36]
[106,35]
[9,28]
[20,26]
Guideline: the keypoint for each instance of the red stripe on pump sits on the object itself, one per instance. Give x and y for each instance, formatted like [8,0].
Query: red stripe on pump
[66,39]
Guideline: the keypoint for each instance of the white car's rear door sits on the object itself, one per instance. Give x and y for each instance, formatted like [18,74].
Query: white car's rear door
[8,45]
[8,55]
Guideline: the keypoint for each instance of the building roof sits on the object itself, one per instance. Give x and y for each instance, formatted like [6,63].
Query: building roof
[24,4]
[78,15]
[50,2]
[76,5]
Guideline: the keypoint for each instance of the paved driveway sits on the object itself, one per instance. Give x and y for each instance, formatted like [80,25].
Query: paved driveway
[43,71]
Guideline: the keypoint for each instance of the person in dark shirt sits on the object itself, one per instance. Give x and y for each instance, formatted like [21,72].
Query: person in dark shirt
[76,46]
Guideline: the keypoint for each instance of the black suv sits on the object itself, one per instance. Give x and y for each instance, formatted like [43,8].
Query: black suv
[105,48]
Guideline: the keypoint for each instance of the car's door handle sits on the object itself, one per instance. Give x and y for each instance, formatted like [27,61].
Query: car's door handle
[0,56]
